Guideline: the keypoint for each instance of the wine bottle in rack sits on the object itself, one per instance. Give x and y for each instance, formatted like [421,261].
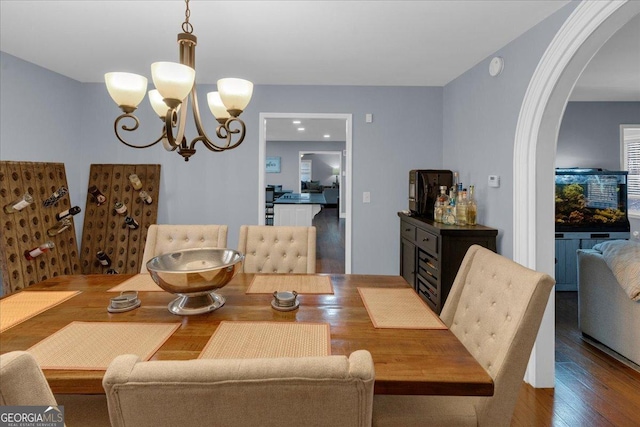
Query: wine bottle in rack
[69,212]
[57,195]
[131,223]
[97,195]
[32,253]
[59,227]
[112,271]
[120,208]
[103,258]
[20,203]
[135,181]
[146,197]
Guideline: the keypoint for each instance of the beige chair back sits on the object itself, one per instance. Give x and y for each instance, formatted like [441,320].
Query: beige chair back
[278,249]
[495,308]
[166,238]
[22,381]
[329,390]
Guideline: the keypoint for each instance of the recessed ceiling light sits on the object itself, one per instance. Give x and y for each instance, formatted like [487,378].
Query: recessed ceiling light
[327,136]
[300,129]
[296,122]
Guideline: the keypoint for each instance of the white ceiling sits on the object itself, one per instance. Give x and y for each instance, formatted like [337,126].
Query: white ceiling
[388,43]
[307,130]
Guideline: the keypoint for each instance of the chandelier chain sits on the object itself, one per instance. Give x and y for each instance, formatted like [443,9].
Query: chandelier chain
[186,25]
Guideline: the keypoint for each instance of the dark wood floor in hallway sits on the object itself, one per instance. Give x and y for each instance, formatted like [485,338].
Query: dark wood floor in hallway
[329,241]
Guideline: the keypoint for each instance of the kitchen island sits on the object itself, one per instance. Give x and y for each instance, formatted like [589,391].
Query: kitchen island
[297,208]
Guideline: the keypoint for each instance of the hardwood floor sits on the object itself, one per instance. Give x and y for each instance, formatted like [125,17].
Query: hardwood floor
[329,241]
[592,389]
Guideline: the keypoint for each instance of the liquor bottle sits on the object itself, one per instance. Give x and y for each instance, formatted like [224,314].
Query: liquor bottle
[146,197]
[30,254]
[461,208]
[472,207]
[57,195]
[97,195]
[135,181]
[103,258]
[449,217]
[120,208]
[441,202]
[59,227]
[131,223]
[17,205]
[69,212]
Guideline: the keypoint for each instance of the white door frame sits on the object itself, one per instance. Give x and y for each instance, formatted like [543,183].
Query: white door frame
[581,36]
[262,149]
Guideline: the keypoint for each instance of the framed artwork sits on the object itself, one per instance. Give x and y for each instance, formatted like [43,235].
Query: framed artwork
[273,165]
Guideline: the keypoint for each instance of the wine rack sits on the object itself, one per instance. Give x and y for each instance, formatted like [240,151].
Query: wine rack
[105,229]
[27,228]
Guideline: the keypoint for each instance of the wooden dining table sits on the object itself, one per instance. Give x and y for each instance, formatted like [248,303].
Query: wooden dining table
[407,361]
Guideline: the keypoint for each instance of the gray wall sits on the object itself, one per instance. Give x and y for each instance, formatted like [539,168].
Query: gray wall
[480,118]
[590,136]
[73,122]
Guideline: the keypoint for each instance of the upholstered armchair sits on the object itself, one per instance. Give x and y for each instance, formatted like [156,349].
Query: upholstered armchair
[278,249]
[166,238]
[304,391]
[22,383]
[494,308]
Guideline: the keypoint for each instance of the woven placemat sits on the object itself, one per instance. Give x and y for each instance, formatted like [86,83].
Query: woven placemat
[399,309]
[301,283]
[139,282]
[24,305]
[93,345]
[250,340]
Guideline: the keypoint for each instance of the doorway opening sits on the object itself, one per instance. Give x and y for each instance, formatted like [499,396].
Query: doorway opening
[271,122]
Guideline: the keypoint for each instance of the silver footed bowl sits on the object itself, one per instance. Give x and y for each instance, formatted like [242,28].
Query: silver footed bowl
[194,275]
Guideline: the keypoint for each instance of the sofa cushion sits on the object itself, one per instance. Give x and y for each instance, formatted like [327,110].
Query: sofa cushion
[623,258]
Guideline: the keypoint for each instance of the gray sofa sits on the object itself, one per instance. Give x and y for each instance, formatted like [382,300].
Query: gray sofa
[605,311]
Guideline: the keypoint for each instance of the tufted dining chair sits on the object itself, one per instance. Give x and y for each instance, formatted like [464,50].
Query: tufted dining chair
[494,308]
[166,238]
[278,249]
[303,391]
[22,383]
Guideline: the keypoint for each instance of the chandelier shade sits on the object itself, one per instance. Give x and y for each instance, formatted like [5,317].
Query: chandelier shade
[175,87]
[126,89]
[173,80]
[235,93]
[217,107]
[158,104]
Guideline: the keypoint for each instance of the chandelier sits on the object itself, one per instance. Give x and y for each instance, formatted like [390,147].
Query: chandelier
[174,82]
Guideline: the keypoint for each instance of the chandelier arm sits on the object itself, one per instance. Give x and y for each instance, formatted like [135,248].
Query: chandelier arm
[131,129]
[202,134]
[228,132]
[171,120]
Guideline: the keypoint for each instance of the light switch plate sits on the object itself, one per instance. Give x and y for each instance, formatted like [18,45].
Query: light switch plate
[366,197]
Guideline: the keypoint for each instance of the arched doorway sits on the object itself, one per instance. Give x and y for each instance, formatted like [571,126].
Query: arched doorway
[585,31]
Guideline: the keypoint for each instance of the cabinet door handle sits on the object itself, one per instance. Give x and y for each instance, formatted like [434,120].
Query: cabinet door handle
[407,229]
[426,239]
